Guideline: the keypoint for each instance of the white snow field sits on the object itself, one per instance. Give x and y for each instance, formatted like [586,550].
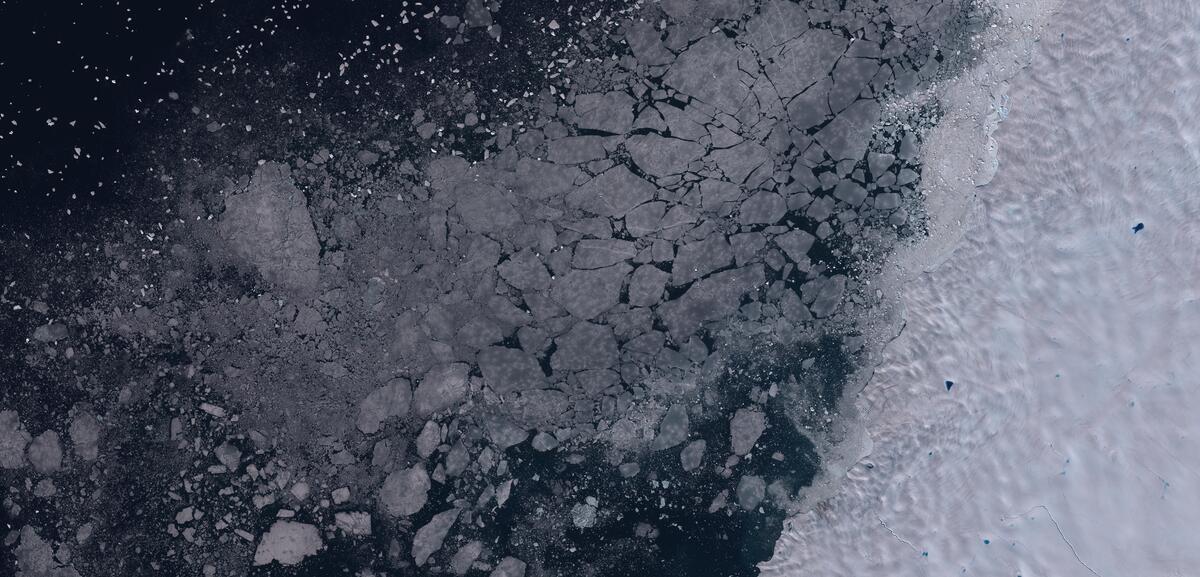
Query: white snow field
[1069,444]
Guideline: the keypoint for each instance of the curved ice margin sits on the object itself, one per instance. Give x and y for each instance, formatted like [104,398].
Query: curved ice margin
[958,155]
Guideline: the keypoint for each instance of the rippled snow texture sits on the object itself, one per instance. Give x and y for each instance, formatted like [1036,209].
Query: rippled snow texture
[1070,443]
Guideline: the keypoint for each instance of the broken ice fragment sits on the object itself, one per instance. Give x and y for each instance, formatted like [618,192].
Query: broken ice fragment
[796,244]
[830,296]
[600,253]
[700,258]
[612,193]
[428,439]
[646,286]
[585,346]
[608,112]
[504,432]
[763,207]
[588,293]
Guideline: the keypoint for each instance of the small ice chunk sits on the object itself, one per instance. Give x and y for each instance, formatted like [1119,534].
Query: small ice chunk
[750,491]
[506,370]
[13,440]
[50,332]
[354,523]
[745,428]
[45,453]
[443,387]
[692,454]
[544,441]
[509,567]
[85,435]
[430,536]
[465,557]
[673,429]
[405,492]
[583,515]
[390,400]
[428,440]
[289,543]
[229,455]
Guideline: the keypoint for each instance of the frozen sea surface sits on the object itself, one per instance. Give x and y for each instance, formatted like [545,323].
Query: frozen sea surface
[1069,443]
